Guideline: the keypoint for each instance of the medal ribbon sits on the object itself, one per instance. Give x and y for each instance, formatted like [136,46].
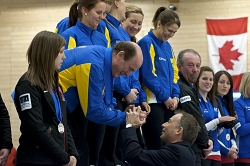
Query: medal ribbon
[57,105]
[108,77]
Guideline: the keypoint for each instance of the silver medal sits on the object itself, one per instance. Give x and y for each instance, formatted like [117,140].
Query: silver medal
[227,136]
[61,128]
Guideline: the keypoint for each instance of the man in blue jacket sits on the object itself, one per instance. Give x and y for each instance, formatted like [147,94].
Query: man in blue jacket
[178,133]
[86,76]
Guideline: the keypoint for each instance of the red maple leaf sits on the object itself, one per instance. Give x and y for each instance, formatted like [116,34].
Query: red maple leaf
[226,55]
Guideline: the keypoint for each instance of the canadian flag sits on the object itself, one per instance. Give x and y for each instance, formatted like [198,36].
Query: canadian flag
[227,42]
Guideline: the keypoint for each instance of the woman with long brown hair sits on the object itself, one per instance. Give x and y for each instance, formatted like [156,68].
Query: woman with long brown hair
[224,90]
[45,136]
[208,103]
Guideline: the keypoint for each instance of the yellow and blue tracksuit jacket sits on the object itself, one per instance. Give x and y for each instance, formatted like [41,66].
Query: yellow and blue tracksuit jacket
[62,26]
[133,82]
[141,97]
[107,31]
[82,35]
[159,72]
[115,33]
[83,77]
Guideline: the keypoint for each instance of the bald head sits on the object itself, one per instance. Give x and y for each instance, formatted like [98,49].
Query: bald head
[138,54]
[130,49]
[129,53]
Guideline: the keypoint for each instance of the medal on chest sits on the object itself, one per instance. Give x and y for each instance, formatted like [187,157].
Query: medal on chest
[228,137]
[61,128]
[58,110]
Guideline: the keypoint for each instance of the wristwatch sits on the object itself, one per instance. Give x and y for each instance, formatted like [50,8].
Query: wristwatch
[129,125]
[177,99]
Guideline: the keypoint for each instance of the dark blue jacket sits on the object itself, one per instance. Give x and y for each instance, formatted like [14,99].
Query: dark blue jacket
[175,154]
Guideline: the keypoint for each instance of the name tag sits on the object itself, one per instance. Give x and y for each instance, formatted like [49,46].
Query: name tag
[185,99]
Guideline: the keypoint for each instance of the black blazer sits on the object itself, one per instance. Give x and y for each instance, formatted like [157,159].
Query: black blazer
[192,107]
[176,154]
[40,140]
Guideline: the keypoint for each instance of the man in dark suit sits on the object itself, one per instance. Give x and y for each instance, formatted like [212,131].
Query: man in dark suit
[178,133]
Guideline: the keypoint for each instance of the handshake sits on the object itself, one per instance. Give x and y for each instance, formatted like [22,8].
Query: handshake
[135,116]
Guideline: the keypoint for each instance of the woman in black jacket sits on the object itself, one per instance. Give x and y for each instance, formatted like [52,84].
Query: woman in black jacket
[45,137]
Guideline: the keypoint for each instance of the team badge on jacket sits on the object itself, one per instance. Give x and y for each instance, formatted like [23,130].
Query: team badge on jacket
[25,101]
